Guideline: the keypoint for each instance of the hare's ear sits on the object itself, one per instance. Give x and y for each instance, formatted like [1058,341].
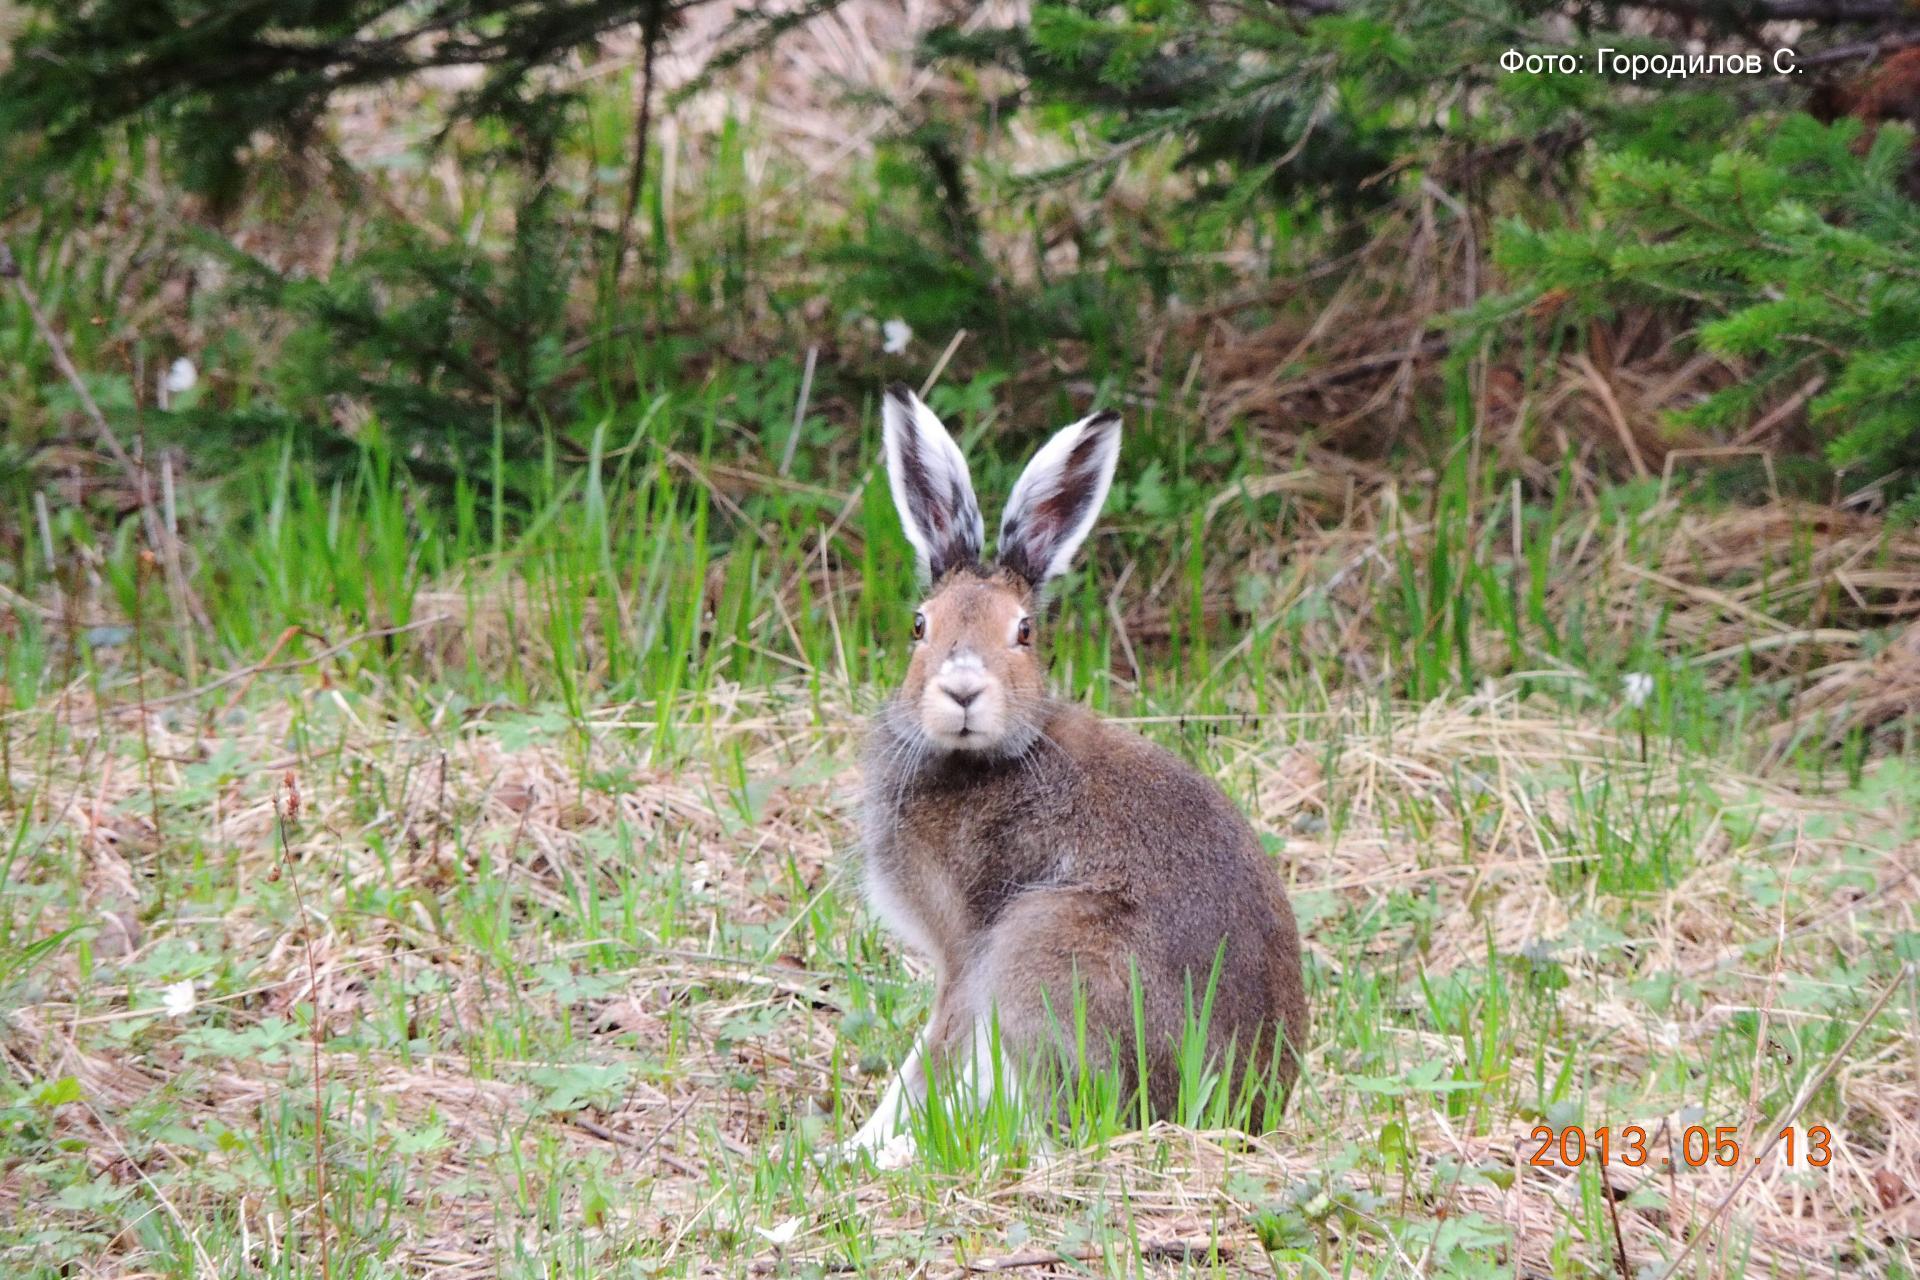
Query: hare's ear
[1053,506]
[931,489]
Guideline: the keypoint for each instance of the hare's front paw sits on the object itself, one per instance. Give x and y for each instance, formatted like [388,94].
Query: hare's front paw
[886,1150]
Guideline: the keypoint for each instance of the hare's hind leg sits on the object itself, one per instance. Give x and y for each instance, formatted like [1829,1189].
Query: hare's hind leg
[1061,962]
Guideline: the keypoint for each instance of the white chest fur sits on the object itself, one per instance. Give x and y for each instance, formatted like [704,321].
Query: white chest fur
[906,916]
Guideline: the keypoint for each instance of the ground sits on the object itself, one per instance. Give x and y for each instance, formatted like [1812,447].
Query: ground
[593,990]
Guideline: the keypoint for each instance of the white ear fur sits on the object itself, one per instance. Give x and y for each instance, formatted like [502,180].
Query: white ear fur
[931,488]
[1058,497]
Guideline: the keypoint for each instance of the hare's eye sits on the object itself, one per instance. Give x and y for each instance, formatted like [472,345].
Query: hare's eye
[919,626]
[1023,634]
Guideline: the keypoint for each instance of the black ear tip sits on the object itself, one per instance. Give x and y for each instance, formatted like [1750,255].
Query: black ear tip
[900,393]
[1105,420]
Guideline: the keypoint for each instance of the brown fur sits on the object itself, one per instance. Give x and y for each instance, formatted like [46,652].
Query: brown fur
[1068,850]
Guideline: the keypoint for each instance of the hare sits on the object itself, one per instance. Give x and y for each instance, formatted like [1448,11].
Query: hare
[1049,864]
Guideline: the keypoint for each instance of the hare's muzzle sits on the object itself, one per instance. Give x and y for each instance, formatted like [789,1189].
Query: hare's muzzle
[963,706]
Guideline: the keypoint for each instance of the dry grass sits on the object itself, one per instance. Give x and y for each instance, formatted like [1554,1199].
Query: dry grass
[446,861]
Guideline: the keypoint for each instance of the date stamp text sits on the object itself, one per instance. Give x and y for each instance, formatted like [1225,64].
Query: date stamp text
[1696,1147]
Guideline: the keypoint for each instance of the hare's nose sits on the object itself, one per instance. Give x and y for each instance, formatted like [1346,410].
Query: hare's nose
[962,686]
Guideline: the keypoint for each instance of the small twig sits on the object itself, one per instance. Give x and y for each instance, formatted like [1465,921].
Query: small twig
[1765,1030]
[7,800]
[199,1250]
[10,270]
[1149,1250]
[640,1149]
[1603,391]
[650,35]
[440,806]
[44,523]
[1782,411]
[162,536]
[233,699]
[940,365]
[281,818]
[799,411]
[266,666]
[184,601]
[140,565]
[1864,49]
[1613,1213]
[1786,1121]
[1119,621]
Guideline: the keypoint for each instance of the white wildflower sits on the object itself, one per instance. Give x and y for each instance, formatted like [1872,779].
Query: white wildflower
[897,333]
[177,999]
[1636,689]
[781,1236]
[181,376]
